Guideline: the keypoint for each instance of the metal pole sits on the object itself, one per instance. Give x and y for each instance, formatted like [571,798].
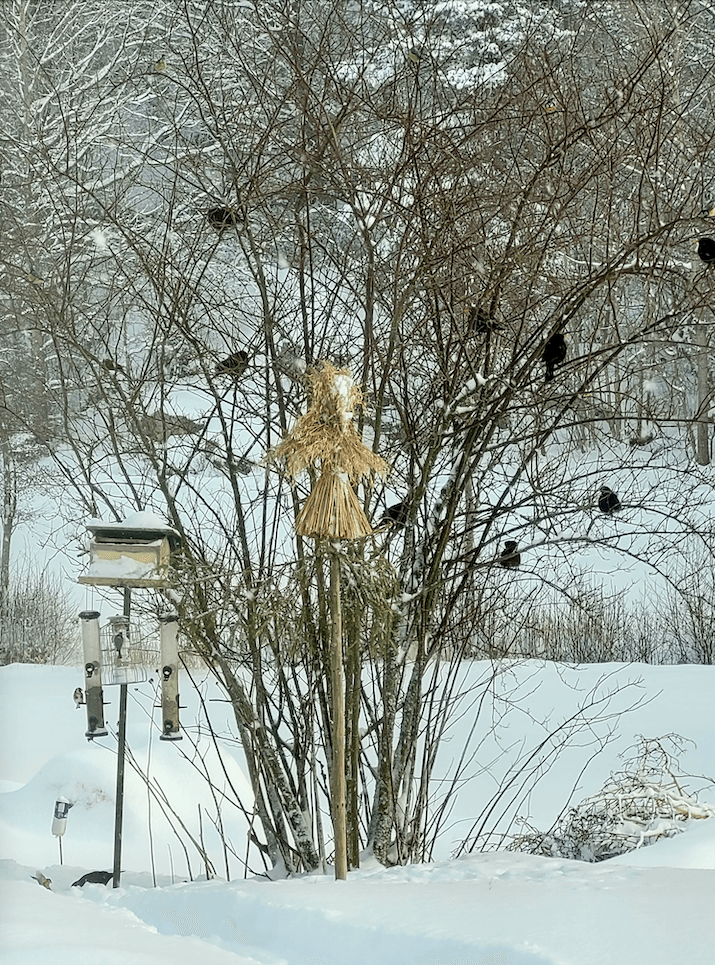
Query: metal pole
[338,686]
[119,797]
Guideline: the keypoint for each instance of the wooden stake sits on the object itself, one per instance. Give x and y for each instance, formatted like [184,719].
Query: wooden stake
[338,687]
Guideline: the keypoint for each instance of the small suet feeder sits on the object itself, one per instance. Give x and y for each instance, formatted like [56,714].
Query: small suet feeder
[133,553]
[326,438]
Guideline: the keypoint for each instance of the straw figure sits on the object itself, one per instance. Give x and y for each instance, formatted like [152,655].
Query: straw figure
[326,439]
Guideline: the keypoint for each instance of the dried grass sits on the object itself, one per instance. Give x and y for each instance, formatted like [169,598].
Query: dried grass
[325,438]
[333,510]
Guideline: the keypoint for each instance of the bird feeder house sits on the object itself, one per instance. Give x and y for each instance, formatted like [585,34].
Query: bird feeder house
[133,553]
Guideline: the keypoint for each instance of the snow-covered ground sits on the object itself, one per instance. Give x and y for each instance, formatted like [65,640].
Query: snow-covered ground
[653,906]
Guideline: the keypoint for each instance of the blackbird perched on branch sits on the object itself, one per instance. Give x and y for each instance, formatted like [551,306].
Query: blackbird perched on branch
[706,250]
[93,878]
[396,514]
[480,320]
[221,217]
[234,364]
[554,354]
[509,556]
[608,502]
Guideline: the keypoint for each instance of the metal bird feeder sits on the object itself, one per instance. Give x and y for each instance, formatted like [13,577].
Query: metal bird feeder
[126,555]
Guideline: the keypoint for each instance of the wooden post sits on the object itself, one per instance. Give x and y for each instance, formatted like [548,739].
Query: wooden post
[338,688]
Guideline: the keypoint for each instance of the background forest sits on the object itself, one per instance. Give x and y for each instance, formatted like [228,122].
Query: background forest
[200,201]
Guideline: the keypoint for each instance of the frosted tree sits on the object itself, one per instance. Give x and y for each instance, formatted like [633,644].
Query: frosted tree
[426,195]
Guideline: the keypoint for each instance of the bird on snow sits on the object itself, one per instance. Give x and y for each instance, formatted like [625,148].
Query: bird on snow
[608,501]
[396,515]
[509,556]
[93,878]
[41,880]
[234,364]
[554,353]
[221,217]
[78,697]
[706,250]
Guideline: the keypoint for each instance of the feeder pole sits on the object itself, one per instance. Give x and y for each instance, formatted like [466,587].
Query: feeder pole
[119,797]
[338,687]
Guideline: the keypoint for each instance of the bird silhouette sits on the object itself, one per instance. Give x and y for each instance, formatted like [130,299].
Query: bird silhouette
[554,353]
[109,365]
[234,364]
[93,878]
[396,515]
[78,697]
[706,250]
[221,217]
[480,320]
[509,556]
[118,641]
[608,502]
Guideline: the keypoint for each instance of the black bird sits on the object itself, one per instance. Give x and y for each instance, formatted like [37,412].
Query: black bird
[221,217]
[396,514]
[509,556]
[109,365]
[118,641]
[554,354]
[480,320]
[706,250]
[93,878]
[608,502]
[234,364]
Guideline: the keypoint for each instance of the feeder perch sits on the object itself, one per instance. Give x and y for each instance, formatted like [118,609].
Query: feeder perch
[133,553]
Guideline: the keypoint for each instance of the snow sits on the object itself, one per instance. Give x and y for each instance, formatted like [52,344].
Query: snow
[650,907]
[138,520]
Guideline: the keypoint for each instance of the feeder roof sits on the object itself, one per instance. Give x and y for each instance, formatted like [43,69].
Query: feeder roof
[137,526]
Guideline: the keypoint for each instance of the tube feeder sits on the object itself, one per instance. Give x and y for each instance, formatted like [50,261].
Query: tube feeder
[93,674]
[169,626]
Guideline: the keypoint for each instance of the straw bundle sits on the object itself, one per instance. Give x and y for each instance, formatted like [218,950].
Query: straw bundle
[326,437]
[333,510]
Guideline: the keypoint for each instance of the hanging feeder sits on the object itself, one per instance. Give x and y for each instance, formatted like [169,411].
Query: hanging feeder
[169,678]
[133,553]
[94,697]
